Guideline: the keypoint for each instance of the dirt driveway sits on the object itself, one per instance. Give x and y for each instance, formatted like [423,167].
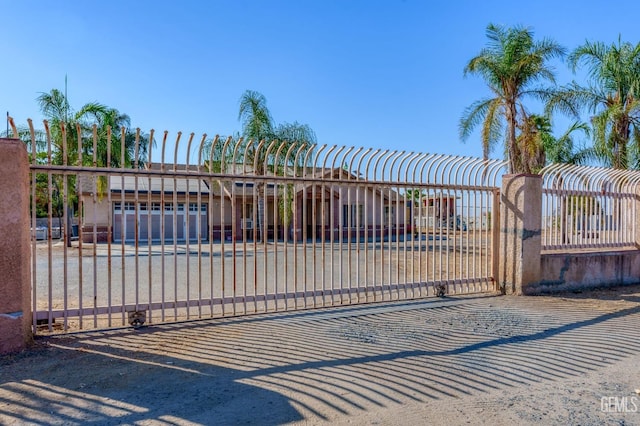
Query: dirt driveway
[569,359]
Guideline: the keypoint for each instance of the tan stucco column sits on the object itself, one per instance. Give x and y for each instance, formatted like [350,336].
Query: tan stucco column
[520,232]
[15,280]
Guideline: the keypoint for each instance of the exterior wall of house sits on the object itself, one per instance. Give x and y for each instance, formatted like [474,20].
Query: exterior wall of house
[95,219]
[374,204]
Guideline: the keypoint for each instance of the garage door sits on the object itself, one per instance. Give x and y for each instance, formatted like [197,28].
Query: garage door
[148,221]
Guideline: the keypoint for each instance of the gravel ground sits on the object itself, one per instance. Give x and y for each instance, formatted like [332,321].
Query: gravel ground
[565,359]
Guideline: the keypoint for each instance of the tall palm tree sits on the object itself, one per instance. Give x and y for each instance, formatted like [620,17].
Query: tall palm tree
[258,126]
[511,63]
[55,107]
[613,97]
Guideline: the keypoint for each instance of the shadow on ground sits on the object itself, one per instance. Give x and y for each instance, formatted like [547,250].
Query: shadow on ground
[315,365]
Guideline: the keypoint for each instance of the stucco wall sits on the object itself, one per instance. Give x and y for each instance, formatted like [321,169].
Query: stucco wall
[15,257]
[575,271]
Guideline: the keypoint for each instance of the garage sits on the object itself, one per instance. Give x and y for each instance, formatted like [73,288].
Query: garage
[152,221]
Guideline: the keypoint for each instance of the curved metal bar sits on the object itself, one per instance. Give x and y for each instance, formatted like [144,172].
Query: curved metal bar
[164,146]
[344,161]
[14,129]
[415,162]
[453,168]
[316,160]
[277,157]
[265,164]
[362,157]
[305,162]
[200,148]
[337,154]
[428,164]
[326,157]
[352,161]
[191,135]
[234,158]
[223,153]
[175,153]
[256,158]
[300,151]
[401,165]
[287,156]
[396,155]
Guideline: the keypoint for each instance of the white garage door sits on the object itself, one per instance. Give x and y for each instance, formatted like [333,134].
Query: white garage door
[148,222]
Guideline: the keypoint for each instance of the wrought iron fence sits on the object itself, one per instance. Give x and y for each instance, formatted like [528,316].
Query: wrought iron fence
[233,227]
[589,208]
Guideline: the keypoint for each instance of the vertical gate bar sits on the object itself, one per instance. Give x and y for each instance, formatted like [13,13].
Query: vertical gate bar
[314,236]
[304,244]
[380,193]
[467,246]
[110,221]
[288,210]
[123,233]
[365,190]
[296,235]
[49,226]
[162,229]
[211,236]
[495,236]
[63,230]
[337,244]
[390,244]
[78,194]
[394,217]
[265,236]
[322,228]
[276,189]
[223,227]
[175,227]
[358,223]
[419,227]
[255,228]
[150,228]
[136,207]
[199,225]
[405,260]
[234,270]
[187,229]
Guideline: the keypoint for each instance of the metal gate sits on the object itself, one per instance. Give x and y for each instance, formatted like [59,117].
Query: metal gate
[253,227]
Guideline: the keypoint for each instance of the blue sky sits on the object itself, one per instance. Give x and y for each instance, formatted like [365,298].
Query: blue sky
[381,74]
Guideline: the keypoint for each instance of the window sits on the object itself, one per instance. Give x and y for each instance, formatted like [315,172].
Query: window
[128,205]
[352,215]
[193,207]
[247,211]
[389,214]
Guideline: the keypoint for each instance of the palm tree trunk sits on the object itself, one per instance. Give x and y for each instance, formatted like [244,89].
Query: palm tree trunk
[511,137]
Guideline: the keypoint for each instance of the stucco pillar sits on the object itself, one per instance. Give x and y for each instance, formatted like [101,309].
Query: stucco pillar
[520,232]
[15,280]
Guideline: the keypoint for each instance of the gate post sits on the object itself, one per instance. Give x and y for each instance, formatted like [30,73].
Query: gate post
[520,232]
[15,279]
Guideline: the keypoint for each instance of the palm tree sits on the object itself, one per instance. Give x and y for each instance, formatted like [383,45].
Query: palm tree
[79,127]
[510,64]
[56,109]
[257,127]
[613,97]
[541,147]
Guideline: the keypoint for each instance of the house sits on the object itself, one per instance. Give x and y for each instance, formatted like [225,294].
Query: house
[154,207]
[438,211]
